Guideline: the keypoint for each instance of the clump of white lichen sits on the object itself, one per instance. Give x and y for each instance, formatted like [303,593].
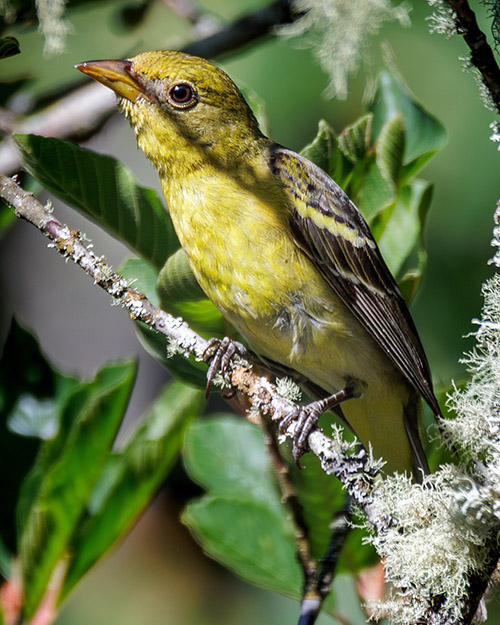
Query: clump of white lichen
[430,548]
[434,537]
[442,18]
[341,33]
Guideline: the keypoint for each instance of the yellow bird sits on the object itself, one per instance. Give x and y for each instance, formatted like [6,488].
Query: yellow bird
[281,251]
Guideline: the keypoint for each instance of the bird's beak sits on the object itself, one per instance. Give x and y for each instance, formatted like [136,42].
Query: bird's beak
[117,75]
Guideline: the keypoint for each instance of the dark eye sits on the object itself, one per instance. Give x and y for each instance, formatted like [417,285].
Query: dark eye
[181,95]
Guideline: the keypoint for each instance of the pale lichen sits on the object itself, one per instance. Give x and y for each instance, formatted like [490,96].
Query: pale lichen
[430,548]
[53,25]
[442,19]
[341,32]
[288,389]
[437,536]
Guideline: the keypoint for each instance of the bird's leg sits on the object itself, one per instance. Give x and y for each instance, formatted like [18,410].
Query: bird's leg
[219,353]
[307,417]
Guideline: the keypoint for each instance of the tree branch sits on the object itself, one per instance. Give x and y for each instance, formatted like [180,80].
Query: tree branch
[77,115]
[243,31]
[319,587]
[482,56]
[290,498]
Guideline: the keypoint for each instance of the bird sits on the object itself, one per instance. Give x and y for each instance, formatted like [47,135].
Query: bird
[281,251]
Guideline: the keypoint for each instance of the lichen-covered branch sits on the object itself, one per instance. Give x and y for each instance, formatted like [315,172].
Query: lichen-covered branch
[482,56]
[72,245]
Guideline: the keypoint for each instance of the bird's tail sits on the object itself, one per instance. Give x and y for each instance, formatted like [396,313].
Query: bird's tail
[412,412]
[389,421]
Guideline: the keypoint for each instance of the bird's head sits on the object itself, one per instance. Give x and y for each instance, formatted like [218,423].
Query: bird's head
[182,108]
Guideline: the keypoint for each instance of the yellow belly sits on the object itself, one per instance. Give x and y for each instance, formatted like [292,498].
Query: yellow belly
[245,259]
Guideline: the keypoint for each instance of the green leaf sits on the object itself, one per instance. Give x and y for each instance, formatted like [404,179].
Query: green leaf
[375,193]
[251,539]
[40,417]
[23,371]
[355,140]
[34,417]
[319,151]
[390,150]
[5,560]
[132,476]
[176,281]
[324,152]
[7,217]
[241,522]
[414,166]
[103,190]
[227,455]
[56,494]
[424,133]
[409,283]
[401,230]
[141,276]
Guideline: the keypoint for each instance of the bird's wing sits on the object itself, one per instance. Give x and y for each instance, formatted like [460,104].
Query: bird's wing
[332,232]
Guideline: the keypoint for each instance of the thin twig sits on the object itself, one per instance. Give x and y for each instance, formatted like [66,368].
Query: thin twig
[312,601]
[482,56]
[290,499]
[340,528]
[243,30]
[287,490]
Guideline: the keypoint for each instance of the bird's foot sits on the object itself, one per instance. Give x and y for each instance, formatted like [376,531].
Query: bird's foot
[219,353]
[306,418]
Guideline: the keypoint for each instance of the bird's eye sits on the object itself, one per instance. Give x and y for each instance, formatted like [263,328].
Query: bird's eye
[182,95]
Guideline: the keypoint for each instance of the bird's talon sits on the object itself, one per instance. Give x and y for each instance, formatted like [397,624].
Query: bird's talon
[306,419]
[288,419]
[297,454]
[211,348]
[219,352]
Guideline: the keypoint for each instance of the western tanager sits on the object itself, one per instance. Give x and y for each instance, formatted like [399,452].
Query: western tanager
[279,248]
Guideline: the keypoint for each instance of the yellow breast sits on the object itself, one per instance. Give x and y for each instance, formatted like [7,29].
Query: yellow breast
[243,254]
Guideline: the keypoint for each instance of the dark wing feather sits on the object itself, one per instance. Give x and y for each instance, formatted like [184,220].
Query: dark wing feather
[331,230]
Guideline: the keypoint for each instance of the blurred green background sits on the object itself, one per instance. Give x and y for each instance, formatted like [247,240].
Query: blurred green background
[158,574]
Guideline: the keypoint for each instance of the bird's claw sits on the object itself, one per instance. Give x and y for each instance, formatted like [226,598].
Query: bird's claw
[305,419]
[219,352]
